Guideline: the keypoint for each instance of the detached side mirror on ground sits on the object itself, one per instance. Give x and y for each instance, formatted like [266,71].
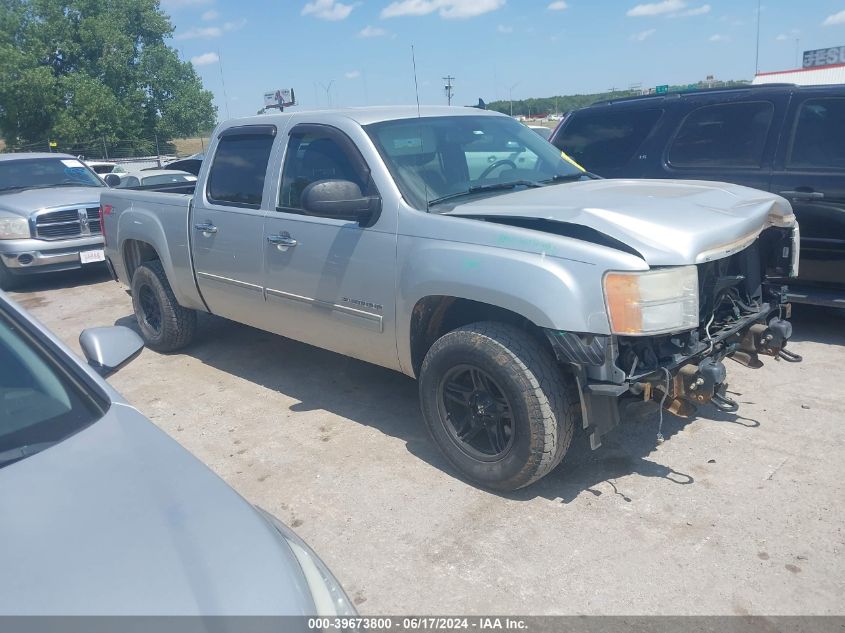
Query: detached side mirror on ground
[340,199]
[107,349]
[112,180]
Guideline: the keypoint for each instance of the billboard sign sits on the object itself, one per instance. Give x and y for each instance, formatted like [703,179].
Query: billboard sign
[279,98]
[824,57]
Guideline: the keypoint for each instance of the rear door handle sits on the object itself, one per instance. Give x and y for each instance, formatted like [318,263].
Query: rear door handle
[802,195]
[282,239]
[207,227]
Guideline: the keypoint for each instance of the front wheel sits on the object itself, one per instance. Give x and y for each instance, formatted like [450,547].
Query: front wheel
[497,404]
[165,325]
[8,280]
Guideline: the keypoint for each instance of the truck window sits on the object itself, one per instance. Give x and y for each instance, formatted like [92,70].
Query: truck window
[607,140]
[819,137]
[724,135]
[311,157]
[236,177]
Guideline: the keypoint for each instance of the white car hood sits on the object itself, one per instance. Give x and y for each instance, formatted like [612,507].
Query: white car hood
[668,222]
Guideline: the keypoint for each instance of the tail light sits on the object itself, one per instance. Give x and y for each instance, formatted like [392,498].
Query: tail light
[105,209]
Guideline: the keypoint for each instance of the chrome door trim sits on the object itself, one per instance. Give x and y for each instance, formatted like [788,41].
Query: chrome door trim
[229,280]
[374,321]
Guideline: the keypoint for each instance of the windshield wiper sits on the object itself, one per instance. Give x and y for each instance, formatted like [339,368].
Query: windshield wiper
[15,454]
[568,177]
[480,188]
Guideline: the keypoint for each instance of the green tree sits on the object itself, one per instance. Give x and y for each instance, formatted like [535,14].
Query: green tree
[81,71]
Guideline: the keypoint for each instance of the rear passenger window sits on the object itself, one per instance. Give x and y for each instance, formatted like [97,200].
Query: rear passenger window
[236,177]
[727,135]
[607,140]
[819,139]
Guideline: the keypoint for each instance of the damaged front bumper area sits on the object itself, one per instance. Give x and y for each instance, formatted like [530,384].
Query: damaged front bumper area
[743,316]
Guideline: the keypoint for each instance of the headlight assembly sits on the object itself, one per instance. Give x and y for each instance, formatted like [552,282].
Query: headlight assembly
[14,228]
[329,597]
[652,302]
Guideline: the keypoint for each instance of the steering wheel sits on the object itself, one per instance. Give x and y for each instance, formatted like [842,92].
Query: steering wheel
[497,164]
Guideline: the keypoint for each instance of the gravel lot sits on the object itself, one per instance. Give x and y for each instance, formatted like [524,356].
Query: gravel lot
[734,514]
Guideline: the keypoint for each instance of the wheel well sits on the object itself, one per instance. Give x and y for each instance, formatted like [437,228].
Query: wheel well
[135,253]
[436,315]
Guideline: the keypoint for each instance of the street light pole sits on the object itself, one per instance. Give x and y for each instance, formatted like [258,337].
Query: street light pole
[510,95]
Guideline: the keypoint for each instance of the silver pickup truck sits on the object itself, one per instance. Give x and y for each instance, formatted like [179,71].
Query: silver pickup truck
[49,215]
[458,247]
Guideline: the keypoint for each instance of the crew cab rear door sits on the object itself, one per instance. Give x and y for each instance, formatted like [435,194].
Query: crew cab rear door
[726,137]
[330,282]
[810,173]
[227,221]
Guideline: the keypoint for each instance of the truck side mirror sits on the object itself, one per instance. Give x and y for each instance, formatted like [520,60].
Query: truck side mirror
[112,180]
[340,199]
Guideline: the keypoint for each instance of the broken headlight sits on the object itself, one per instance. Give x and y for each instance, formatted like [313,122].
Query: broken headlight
[652,302]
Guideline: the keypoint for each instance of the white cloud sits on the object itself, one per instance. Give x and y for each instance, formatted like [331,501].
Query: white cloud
[211,14]
[782,37]
[719,38]
[704,9]
[236,25]
[656,8]
[328,9]
[643,35]
[372,31]
[352,74]
[559,5]
[200,32]
[504,29]
[205,59]
[448,9]
[836,18]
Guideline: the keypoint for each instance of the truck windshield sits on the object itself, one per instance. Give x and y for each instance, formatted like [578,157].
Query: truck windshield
[440,159]
[40,173]
[40,402]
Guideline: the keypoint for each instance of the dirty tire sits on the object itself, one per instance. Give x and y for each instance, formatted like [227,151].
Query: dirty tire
[542,398]
[8,280]
[165,325]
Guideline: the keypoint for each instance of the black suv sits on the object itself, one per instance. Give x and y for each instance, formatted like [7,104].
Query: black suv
[781,138]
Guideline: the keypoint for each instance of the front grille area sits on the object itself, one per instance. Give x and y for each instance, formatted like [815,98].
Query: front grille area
[66,223]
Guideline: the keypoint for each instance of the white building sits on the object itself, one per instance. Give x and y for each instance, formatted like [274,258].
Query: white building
[814,76]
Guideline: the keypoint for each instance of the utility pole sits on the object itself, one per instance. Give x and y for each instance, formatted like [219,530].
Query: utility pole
[510,95]
[448,88]
[797,58]
[757,54]
[328,89]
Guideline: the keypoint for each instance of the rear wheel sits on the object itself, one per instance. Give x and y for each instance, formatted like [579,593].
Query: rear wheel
[497,404]
[165,325]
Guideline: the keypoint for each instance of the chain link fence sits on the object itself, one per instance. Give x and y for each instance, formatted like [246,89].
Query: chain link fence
[135,153]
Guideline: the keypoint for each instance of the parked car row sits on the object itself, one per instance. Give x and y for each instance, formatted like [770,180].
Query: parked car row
[50,211]
[529,298]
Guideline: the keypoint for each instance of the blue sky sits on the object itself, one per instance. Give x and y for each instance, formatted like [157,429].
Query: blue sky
[359,52]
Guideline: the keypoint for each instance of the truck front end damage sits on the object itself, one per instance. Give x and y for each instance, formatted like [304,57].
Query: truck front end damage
[731,307]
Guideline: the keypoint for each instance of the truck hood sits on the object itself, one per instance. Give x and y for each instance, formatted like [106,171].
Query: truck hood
[26,202]
[121,520]
[667,222]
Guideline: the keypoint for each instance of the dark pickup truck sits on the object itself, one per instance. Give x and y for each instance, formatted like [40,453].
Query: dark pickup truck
[786,139]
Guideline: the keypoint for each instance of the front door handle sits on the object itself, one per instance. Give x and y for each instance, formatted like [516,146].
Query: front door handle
[207,227]
[282,239]
[802,195]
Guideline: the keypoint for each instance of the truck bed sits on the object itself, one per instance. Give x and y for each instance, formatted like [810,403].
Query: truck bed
[147,220]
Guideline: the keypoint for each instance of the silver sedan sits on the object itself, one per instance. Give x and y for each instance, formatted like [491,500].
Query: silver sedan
[104,514]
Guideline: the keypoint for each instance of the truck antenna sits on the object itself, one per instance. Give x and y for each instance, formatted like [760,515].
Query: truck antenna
[419,116]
